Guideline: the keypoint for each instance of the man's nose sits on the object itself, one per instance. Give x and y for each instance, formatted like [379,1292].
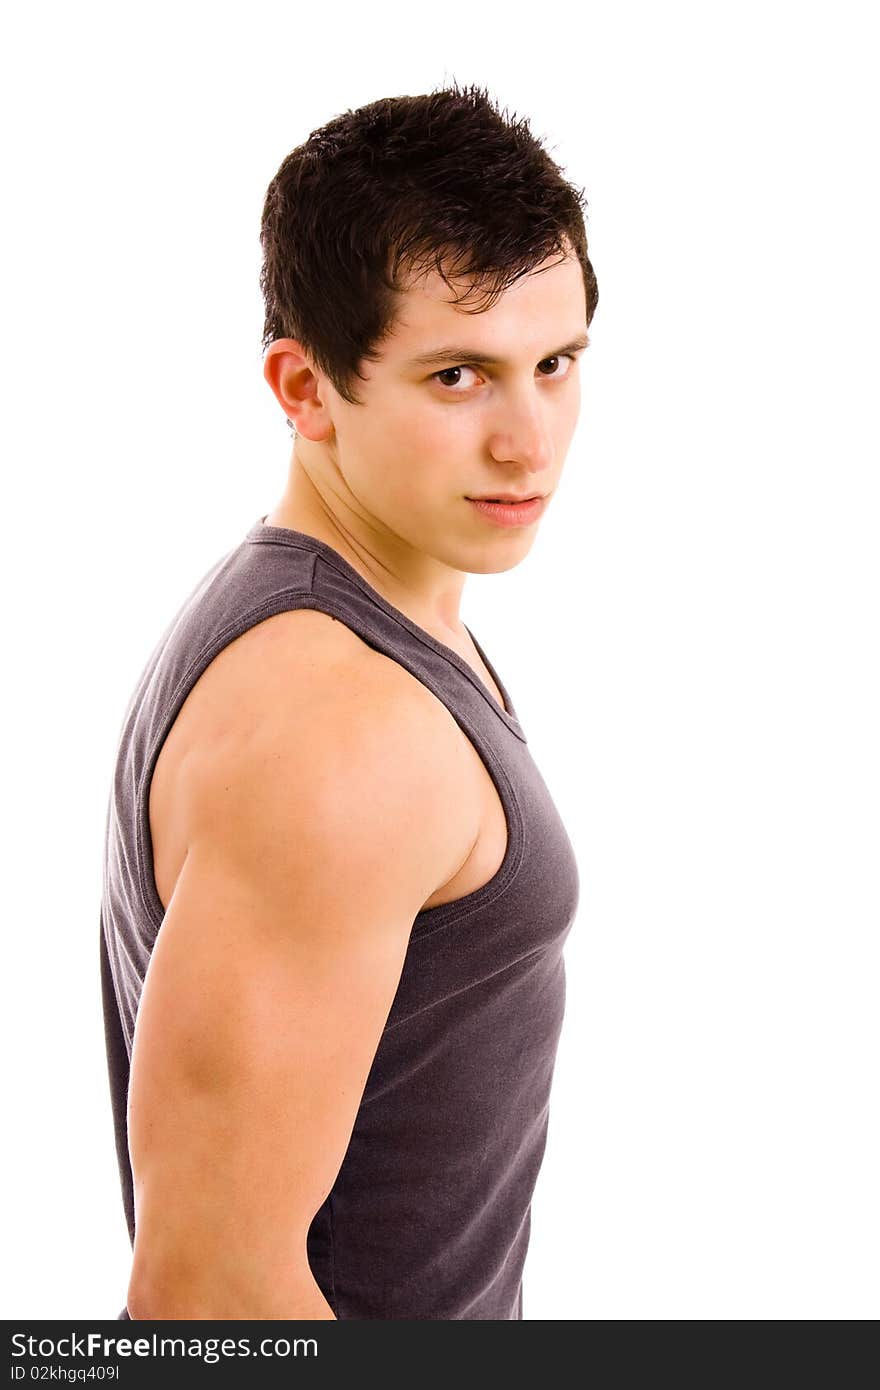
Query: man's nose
[521,435]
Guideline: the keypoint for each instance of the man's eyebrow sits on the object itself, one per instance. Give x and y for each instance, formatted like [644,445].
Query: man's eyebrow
[456,354]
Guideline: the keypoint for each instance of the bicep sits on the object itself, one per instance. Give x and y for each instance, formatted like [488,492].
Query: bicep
[252,1047]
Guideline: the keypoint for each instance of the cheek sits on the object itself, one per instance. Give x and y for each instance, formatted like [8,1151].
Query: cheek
[430,442]
[403,460]
[453,433]
[568,417]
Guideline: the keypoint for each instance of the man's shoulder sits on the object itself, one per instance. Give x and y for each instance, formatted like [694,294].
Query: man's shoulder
[308,660]
[327,751]
[301,691]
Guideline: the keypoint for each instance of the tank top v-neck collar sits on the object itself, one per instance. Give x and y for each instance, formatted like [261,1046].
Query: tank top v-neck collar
[262,534]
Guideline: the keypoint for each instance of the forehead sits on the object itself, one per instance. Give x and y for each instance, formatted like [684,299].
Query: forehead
[539,308]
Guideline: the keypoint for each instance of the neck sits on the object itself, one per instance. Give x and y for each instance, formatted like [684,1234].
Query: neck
[423,588]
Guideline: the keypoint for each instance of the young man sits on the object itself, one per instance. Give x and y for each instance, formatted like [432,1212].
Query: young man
[336,888]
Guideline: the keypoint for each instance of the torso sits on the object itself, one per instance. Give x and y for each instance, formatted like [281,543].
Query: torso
[207,717]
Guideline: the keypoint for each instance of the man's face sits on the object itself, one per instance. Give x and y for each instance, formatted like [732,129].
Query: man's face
[429,435]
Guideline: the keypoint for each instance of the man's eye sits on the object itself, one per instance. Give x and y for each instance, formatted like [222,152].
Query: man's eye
[554,363]
[455,374]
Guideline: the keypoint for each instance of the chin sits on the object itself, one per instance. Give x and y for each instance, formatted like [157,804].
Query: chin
[492,561]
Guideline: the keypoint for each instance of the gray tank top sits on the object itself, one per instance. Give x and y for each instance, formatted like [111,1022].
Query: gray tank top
[429,1216]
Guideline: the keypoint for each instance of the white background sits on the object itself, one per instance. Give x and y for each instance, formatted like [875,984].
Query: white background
[691,643]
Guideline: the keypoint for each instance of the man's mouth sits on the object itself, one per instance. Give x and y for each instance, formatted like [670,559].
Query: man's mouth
[510,497]
[504,511]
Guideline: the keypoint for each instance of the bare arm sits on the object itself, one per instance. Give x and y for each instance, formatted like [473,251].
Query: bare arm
[277,962]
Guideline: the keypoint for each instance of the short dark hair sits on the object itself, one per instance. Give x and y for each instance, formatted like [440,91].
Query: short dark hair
[441,181]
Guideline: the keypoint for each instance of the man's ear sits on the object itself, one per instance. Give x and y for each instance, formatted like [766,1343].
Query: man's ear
[298,388]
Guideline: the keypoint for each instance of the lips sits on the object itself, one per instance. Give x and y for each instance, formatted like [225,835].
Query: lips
[521,512]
